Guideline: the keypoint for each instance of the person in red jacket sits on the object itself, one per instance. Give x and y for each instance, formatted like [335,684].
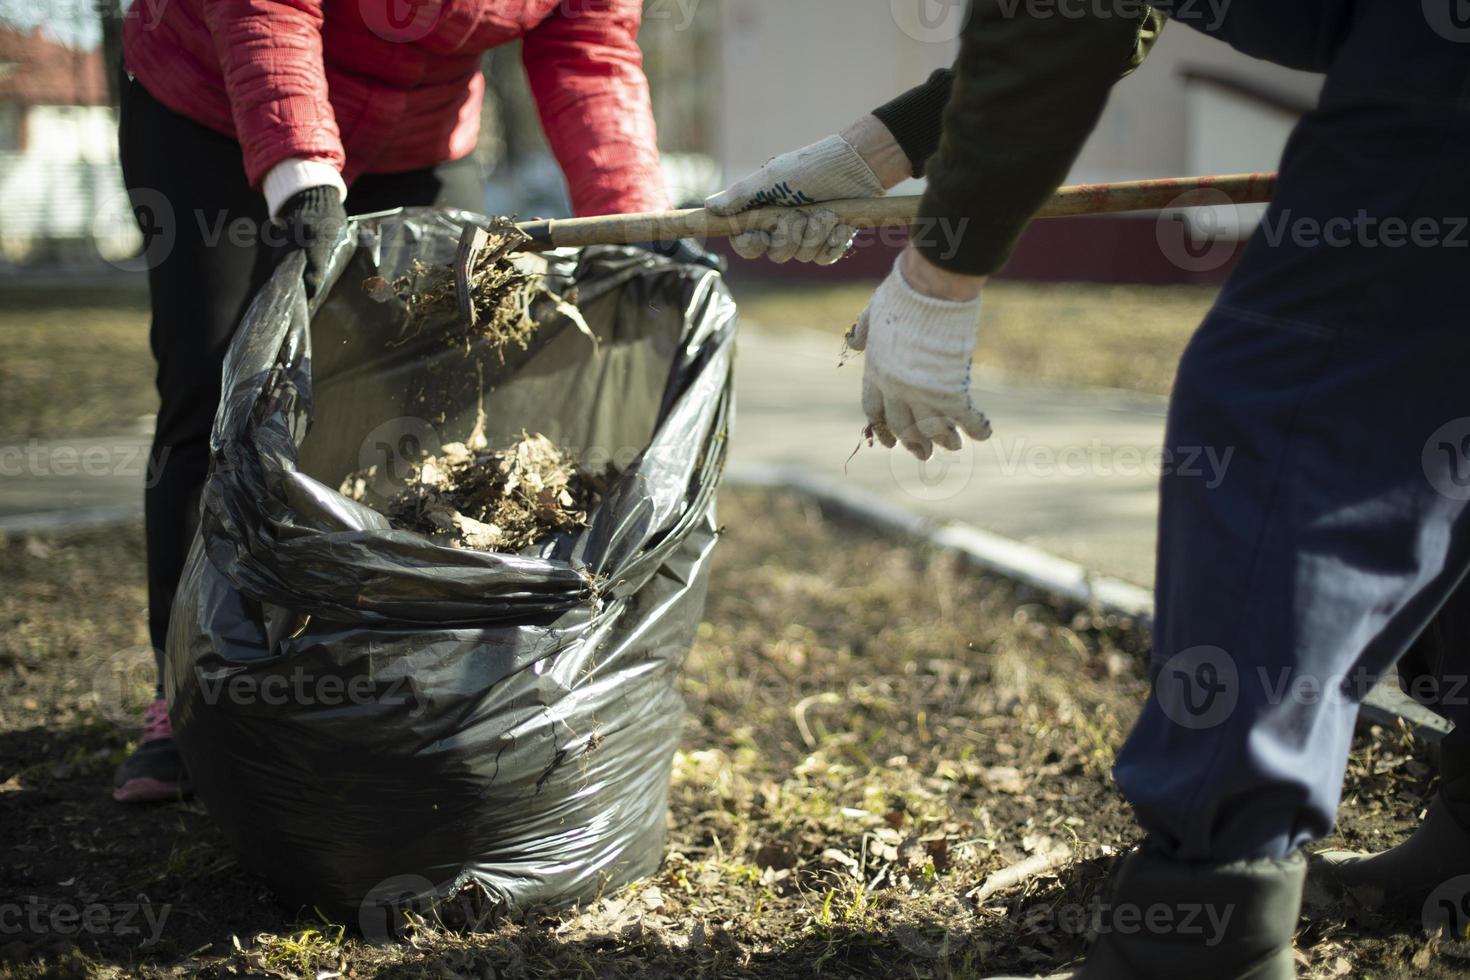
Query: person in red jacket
[252,127]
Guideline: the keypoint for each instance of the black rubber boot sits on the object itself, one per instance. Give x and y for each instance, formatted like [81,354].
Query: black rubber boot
[1404,876]
[1434,859]
[1427,876]
[1168,920]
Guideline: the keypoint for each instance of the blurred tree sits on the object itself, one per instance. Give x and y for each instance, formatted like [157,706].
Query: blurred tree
[110,18]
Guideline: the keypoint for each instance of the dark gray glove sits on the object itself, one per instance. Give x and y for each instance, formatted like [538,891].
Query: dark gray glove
[686,250]
[312,220]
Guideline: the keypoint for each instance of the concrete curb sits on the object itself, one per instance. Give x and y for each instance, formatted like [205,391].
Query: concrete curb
[1384,705]
[68,520]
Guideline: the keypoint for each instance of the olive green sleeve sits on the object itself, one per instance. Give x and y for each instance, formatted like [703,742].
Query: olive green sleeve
[916,118]
[1025,93]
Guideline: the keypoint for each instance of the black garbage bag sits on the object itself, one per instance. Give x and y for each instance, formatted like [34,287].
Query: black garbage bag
[377,721]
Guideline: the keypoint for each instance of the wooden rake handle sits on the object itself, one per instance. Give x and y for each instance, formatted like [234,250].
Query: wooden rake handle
[893,212]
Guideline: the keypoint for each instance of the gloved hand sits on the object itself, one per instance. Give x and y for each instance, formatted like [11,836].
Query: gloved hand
[312,220]
[826,171]
[916,379]
[686,250]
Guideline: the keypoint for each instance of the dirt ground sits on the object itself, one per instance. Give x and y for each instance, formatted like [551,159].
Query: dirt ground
[872,731]
[73,361]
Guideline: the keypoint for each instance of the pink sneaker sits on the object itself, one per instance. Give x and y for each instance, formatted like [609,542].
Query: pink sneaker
[154,771]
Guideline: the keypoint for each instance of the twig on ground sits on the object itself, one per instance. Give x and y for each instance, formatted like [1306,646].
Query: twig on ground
[798,712]
[1021,872]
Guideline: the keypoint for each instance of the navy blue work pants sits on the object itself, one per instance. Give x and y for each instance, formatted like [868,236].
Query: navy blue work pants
[1333,378]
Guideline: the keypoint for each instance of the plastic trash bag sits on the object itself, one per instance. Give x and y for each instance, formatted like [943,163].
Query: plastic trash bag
[376,721]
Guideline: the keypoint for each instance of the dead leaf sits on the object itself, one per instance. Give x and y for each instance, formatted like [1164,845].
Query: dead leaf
[1003,779]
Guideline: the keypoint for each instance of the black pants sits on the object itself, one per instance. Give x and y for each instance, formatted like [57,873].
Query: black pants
[200,217]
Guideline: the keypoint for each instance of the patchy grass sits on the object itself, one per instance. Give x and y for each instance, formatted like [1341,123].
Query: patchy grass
[1056,334]
[73,361]
[873,731]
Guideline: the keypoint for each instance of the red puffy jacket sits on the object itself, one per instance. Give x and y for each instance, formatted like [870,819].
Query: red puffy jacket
[381,86]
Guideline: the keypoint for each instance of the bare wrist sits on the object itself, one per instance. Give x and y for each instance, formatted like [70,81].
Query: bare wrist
[925,277]
[876,145]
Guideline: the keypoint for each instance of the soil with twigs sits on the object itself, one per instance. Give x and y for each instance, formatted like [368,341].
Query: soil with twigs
[878,736]
[508,302]
[502,294]
[469,496]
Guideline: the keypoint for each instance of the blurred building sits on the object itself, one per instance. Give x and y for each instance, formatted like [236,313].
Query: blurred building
[59,180]
[792,72]
[734,82]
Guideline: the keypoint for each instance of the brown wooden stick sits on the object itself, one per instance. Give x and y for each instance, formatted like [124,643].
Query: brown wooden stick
[893,212]
[1021,872]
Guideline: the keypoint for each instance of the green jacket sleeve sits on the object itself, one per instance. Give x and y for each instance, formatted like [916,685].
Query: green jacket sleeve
[916,118]
[997,134]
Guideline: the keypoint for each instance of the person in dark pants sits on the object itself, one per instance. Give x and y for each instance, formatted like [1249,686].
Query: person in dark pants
[221,249]
[1330,365]
[249,128]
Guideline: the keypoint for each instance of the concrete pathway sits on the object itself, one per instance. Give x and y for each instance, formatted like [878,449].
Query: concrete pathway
[72,481]
[1073,473]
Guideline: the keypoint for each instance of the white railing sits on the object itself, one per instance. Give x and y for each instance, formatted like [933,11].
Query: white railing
[49,203]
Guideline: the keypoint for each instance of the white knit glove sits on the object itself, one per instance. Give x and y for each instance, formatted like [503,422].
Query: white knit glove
[827,171]
[916,382]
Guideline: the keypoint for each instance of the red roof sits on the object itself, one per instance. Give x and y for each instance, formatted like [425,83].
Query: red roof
[35,70]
